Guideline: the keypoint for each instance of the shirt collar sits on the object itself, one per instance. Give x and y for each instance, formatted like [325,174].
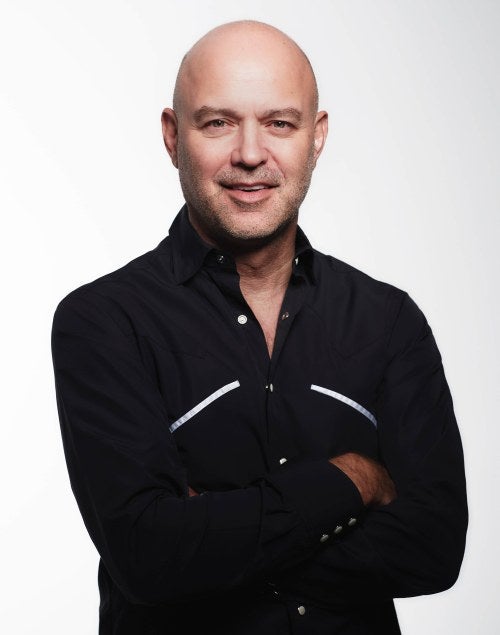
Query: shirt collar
[189,251]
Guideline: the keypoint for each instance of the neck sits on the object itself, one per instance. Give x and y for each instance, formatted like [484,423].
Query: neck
[264,276]
[264,272]
[267,269]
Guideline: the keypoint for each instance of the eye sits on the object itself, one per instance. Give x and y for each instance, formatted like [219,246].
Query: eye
[216,123]
[280,124]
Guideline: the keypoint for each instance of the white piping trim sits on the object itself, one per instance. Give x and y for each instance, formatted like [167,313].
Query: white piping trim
[203,404]
[346,400]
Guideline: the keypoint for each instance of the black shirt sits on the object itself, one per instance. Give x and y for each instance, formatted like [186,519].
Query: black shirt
[164,381]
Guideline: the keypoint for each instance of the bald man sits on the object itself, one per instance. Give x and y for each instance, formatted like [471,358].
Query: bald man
[260,437]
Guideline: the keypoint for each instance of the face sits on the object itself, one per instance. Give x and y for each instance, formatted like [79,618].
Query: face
[245,141]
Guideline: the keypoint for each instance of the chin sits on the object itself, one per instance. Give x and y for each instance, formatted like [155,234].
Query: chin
[241,227]
[241,238]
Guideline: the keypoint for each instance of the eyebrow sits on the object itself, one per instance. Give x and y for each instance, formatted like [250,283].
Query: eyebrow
[279,113]
[284,113]
[209,111]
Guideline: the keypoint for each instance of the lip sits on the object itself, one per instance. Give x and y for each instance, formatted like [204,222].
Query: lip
[249,192]
[248,185]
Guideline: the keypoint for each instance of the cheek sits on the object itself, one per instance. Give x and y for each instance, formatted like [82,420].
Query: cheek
[294,159]
[203,158]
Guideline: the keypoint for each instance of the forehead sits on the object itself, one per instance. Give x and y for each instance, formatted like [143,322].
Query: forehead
[247,74]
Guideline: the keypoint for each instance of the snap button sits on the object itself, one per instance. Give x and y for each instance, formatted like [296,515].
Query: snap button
[282,460]
[301,609]
[338,529]
[242,319]
[324,538]
[352,521]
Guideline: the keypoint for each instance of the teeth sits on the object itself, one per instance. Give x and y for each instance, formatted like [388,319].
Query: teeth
[251,189]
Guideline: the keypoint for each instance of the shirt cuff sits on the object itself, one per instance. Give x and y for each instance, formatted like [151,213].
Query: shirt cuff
[326,499]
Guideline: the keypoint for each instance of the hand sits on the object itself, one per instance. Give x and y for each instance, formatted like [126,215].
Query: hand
[371,478]
[191,491]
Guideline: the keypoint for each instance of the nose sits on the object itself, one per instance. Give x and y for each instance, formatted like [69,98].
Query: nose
[249,150]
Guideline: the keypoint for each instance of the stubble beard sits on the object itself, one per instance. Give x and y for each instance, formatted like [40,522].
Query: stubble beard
[213,218]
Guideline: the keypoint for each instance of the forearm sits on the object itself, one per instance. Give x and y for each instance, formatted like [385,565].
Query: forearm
[160,546]
[392,552]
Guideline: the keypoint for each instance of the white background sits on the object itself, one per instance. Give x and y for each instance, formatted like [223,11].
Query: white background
[407,190]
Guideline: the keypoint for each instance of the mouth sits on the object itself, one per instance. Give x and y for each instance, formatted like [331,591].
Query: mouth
[248,187]
[249,195]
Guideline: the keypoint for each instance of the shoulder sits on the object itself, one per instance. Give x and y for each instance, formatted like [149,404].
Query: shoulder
[360,289]
[116,291]
[366,308]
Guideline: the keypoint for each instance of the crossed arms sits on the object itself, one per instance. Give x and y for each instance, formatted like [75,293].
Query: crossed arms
[162,545]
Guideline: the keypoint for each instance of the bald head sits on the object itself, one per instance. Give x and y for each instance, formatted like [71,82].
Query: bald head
[243,42]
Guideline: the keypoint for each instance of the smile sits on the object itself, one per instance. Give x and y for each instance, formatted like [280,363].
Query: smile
[252,188]
[249,192]
[248,188]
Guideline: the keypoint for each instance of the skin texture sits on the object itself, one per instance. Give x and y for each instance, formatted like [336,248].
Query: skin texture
[245,134]
[372,479]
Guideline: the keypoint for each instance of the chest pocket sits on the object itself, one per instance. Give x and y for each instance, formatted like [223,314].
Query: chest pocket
[347,400]
[218,437]
[333,423]
[203,404]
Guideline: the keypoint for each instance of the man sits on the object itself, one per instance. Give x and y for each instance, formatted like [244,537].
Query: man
[260,437]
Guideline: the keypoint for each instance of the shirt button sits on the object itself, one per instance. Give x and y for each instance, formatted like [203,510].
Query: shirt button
[301,609]
[221,259]
[324,538]
[297,260]
[337,529]
[285,315]
[352,522]
[282,460]
[270,387]
[242,319]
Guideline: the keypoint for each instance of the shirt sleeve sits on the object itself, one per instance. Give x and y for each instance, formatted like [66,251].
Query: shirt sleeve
[414,545]
[158,544]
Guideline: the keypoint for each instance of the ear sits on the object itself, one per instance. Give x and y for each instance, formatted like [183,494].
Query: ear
[169,129]
[320,133]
